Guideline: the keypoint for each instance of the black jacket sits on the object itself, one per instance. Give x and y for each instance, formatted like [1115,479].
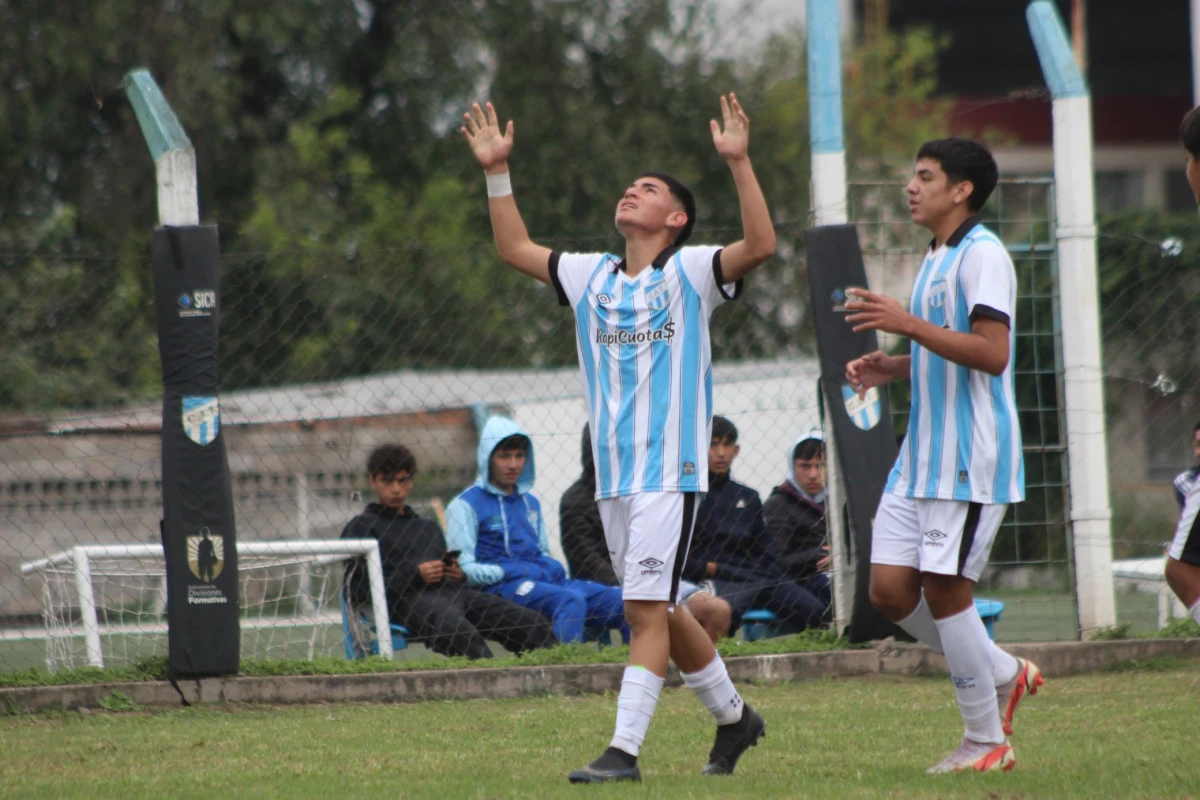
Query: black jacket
[730,531]
[405,541]
[583,534]
[579,522]
[796,527]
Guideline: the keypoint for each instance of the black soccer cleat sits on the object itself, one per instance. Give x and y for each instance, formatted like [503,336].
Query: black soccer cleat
[733,740]
[613,766]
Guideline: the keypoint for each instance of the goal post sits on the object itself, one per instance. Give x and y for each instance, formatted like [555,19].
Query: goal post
[140,568]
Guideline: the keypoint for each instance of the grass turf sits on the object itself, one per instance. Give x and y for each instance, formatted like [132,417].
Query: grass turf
[1123,733]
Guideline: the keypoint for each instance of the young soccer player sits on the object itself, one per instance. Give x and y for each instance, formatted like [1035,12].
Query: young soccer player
[1183,555]
[641,324]
[961,463]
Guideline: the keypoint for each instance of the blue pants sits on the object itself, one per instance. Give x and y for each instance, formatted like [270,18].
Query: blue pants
[794,606]
[569,606]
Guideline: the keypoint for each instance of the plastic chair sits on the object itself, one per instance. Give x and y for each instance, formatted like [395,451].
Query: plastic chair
[757,623]
[989,612]
[361,637]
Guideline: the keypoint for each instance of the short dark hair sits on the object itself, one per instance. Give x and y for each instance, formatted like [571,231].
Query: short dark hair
[1197,428]
[391,459]
[684,195]
[724,430]
[965,160]
[808,448]
[518,441]
[1189,132]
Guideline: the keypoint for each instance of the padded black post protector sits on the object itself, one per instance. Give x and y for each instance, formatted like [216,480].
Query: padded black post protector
[199,539]
[866,442]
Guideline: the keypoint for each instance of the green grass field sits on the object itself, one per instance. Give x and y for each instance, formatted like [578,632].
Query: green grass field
[1124,733]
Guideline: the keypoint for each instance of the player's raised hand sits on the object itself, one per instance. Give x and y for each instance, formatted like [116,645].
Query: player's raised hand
[731,136]
[482,132]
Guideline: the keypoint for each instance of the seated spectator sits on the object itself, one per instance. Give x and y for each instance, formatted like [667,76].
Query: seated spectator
[729,546]
[424,583]
[795,517]
[497,525]
[587,551]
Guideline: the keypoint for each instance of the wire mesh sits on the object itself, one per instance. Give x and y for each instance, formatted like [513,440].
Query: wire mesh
[327,355]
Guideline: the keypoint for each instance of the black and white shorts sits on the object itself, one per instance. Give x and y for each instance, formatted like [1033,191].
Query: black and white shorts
[1186,544]
[945,537]
[648,536]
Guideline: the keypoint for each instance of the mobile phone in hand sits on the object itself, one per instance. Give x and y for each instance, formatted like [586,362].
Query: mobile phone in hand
[450,557]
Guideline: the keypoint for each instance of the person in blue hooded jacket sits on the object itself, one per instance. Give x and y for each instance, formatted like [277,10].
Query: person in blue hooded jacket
[498,528]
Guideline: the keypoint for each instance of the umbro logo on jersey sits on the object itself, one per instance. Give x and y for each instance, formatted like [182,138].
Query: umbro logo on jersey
[603,299]
[934,538]
[651,566]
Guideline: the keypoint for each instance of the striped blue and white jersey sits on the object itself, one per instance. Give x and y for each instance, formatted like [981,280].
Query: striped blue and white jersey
[646,363]
[964,437]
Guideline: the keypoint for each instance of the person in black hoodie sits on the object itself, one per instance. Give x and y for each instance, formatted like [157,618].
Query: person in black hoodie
[587,550]
[426,592]
[730,546]
[795,517]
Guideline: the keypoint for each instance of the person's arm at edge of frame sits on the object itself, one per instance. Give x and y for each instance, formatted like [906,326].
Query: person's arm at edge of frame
[758,233]
[491,149]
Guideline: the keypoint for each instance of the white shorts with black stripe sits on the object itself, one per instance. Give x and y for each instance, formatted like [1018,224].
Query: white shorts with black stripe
[648,536]
[1186,544]
[945,537]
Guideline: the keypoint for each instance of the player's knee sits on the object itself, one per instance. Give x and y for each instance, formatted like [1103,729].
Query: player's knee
[645,614]
[890,600]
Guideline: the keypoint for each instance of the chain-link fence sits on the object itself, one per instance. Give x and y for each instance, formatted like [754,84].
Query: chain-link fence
[1150,306]
[326,356]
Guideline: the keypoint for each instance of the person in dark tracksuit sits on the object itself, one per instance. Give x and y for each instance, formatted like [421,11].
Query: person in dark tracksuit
[730,546]
[425,588]
[497,526]
[795,517]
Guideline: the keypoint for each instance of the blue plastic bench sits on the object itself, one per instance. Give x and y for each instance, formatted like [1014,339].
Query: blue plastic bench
[989,611]
[356,649]
[758,623]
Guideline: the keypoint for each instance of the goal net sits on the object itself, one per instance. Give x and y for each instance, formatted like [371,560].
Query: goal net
[106,605]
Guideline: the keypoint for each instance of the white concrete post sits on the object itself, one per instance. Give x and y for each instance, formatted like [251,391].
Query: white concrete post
[1083,376]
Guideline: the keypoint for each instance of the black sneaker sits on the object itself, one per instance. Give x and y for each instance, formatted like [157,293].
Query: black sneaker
[612,766]
[733,740]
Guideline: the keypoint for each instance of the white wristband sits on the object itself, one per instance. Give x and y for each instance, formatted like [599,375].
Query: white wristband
[499,185]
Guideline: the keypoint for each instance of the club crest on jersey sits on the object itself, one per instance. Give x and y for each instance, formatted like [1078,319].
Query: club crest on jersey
[937,294]
[657,297]
[201,419]
[863,412]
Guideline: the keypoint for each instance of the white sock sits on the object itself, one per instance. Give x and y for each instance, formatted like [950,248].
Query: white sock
[715,690]
[635,706]
[1195,612]
[969,656]
[921,626]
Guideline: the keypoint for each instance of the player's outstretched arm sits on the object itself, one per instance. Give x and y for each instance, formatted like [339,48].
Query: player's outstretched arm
[491,148]
[731,137]
[985,348]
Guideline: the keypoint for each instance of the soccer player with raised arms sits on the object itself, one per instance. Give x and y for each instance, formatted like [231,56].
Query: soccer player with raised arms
[641,325]
[961,462]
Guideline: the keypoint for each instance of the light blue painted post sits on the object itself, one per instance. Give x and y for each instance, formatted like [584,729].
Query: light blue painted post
[1083,385]
[823,30]
[172,151]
